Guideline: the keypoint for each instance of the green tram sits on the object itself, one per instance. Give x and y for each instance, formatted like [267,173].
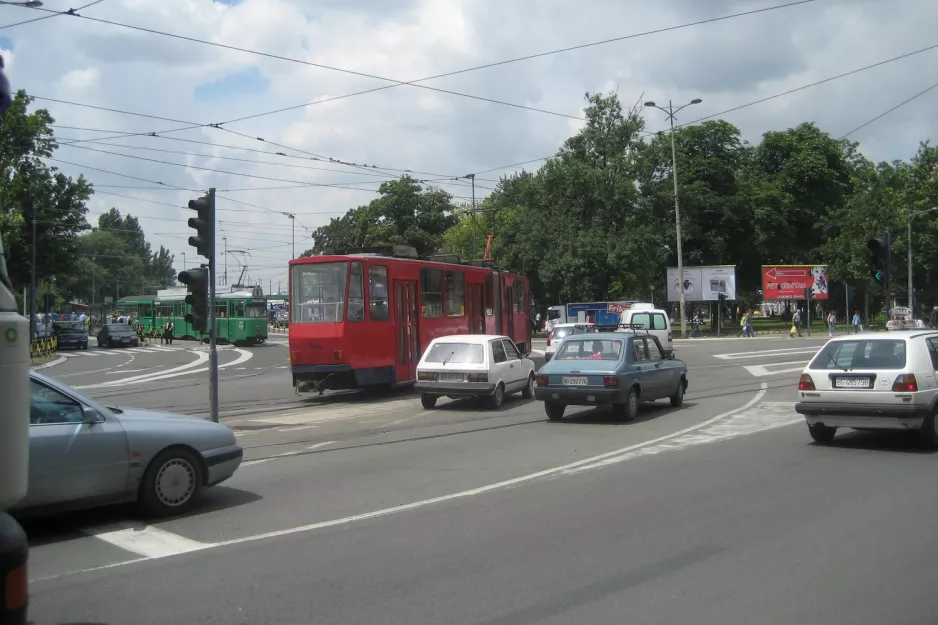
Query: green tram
[241,314]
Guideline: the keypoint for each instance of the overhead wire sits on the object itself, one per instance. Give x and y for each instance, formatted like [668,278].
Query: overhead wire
[890,110]
[54,14]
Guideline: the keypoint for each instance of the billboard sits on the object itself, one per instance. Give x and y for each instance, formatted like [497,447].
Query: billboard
[703,284]
[790,281]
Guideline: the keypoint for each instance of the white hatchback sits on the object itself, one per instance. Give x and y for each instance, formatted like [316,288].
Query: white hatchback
[473,365]
[560,331]
[872,381]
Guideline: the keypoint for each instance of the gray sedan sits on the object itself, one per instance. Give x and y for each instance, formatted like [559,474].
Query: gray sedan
[83,454]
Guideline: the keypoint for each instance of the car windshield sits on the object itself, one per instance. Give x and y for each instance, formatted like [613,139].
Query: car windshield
[119,328]
[319,292]
[455,353]
[66,326]
[861,354]
[590,349]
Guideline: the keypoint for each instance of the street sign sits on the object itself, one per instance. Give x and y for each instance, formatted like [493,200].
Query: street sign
[791,281]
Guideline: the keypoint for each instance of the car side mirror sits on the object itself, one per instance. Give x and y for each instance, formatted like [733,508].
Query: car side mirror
[91,416]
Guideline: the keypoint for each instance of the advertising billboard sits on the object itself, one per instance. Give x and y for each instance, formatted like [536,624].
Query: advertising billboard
[790,281]
[703,284]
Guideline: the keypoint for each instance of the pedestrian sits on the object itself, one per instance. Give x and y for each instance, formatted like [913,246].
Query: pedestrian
[170,327]
[796,323]
[933,319]
[857,322]
[831,321]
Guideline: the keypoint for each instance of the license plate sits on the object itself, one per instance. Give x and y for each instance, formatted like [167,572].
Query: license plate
[451,377]
[576,381]
[852,383]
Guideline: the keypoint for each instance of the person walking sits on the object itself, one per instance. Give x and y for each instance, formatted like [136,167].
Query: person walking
[796,323]
[831,323]
[857,322]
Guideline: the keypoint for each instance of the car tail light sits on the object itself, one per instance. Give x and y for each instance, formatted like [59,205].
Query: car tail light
[478,377]
[806,383]
[670,336]
[541,380]
[425,375]
[338,353]
[905,383]
[549,335]
[610,380]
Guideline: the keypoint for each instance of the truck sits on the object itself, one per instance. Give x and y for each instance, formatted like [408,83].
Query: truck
[600,313]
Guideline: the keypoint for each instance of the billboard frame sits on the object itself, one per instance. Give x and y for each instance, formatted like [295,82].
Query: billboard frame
[790,282]
[699,282]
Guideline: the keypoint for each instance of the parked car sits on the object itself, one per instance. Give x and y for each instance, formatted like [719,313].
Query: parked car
[473,365]
[616,368]
[562,330]
[83,454]
[872,382]
[71,334]
[117,334]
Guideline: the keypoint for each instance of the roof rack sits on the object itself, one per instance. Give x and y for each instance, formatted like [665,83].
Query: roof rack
[452,259]
[612,327]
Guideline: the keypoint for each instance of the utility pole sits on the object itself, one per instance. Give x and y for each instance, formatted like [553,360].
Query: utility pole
[475,249]
[225,239]
[213,325]
[32,278]
[671,112]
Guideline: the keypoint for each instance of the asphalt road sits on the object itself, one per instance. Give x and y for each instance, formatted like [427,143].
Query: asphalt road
[368,509]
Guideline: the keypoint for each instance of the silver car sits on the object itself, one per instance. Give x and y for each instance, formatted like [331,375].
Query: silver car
[873,381]
[83,454]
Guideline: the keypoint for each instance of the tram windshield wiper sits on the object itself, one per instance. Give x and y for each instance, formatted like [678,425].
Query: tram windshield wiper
[451,354]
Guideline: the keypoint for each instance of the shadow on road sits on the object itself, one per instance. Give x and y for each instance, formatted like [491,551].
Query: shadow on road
[897,442]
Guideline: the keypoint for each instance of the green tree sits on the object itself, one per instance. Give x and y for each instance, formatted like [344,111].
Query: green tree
[404,214]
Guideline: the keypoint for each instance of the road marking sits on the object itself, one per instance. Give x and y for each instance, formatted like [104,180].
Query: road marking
[306,416]
[286,454]
[760,371]
[201,357]
[763,387]
[145,540]
[759,418]
[72,375]
[131,370]
[406,419]
[57,361]
[767,353]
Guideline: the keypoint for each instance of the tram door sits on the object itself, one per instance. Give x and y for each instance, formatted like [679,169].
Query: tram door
[476,310]
[405,327]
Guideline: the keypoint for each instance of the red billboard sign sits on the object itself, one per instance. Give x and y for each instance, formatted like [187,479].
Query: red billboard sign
[790,281]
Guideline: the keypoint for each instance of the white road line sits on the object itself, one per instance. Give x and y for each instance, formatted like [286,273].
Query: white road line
[201,357]
[131,370]
[294,429]
[760,371]
[767,353]
[57,361]
[763,387]
[145,540]
[286,454]
[406,419]
[72,375]
[318,445]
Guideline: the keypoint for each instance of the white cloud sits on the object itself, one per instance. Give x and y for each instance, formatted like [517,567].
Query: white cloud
[725,63]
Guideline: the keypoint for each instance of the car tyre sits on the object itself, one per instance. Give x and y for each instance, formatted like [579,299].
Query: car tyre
[528,391]
[554,411]
[496,399]
[822,434]
[629,410]
[678,398]
[928,435]
[427,401]
[172,483]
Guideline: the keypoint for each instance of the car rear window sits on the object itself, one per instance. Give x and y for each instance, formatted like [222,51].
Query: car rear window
[459,353]
[590,349]
[119,328]
[69,325]
[650,321]
[861,354]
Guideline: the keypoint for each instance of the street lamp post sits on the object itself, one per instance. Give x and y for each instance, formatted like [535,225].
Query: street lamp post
[909,214]
[30,4]
[671,112]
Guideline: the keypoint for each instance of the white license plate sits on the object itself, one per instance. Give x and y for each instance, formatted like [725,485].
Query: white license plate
[576,381]
[851,383]
[452,377]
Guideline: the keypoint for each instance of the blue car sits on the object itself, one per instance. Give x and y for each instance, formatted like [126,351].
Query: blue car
[616,368]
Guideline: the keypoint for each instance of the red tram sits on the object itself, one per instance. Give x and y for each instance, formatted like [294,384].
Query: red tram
[363,319]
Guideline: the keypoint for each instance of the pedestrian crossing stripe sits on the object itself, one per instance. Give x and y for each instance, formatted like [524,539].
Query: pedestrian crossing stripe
[109,352]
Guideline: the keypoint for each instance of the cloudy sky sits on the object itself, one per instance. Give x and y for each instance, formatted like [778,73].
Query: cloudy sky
[727,63]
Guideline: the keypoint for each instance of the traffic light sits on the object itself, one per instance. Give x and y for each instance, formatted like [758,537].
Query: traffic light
[196,281]
[881,249]
[204,224]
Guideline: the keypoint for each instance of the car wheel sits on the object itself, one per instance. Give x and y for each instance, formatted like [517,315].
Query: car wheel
[629,410]
[495,401]
[528,391]
[928,435]
[821,433]
[554,411]
[678,398]
[428,401]
[172,482]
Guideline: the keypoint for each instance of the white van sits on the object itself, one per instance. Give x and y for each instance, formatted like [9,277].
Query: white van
[655,320]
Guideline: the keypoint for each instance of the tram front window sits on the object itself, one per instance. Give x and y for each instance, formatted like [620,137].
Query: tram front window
[255,311]
[319,292]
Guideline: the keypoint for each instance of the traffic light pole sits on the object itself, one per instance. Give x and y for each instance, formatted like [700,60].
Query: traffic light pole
[213,326]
